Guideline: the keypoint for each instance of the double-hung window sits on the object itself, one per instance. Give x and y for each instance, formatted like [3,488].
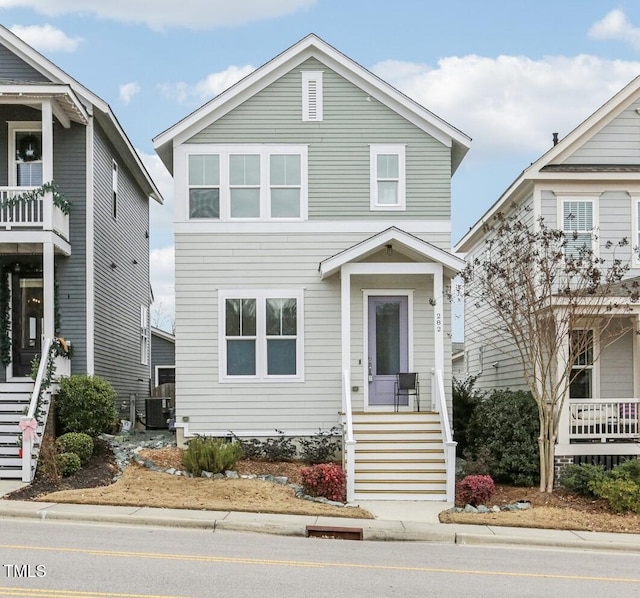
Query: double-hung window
[261,335]
[240,183]
[578,226]
[204,186]
[387,167]
[581,385]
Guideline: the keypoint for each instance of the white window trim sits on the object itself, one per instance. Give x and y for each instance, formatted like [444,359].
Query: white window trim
[115,208]
[224,151]
[635,228]
[594,211]
[144,335]
[260,295]
[157,372]
[394,148]
[307,78]
[17,126]
[594,367]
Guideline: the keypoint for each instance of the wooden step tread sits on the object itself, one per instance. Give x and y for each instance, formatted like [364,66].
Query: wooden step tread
[391,451]
[399,471]
[392,491]
[394,432]
[401,461]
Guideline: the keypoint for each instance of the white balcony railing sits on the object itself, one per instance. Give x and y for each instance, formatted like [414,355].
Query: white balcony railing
[604,419]
[37,214]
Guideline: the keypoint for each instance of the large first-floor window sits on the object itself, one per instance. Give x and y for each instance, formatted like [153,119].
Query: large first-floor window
[261,334]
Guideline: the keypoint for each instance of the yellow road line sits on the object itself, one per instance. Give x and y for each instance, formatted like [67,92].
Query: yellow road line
[50,593]
[316,564]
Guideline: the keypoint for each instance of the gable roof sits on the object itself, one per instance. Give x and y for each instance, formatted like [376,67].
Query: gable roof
[551,162]
[409,244]
[312,46]
[92,105]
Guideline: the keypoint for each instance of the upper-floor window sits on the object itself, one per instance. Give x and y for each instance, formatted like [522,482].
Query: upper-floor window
[578,225]
[312,96]
[114,186]
[387,177]
[248,183]
[25,145]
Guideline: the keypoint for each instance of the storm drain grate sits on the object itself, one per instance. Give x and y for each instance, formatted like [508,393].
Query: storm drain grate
[330,531]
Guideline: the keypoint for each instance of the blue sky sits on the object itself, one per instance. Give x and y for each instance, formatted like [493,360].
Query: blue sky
[507,73]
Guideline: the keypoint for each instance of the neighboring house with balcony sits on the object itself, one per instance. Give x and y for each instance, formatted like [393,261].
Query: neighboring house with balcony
[587,185]
[74,261]
[312,239]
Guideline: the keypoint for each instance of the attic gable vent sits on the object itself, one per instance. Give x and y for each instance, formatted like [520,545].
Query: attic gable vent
[311,95]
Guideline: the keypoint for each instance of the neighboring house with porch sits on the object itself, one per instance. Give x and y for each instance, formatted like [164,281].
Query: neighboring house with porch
[74,260]
[312,239]
[163,357]
[588,184]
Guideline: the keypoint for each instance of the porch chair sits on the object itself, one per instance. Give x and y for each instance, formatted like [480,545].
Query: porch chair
[406,384]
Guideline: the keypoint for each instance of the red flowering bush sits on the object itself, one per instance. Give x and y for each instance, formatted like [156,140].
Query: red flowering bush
[326,479]
[475,490]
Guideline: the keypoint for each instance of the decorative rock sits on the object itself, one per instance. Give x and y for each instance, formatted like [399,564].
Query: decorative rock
[483,509]
[470,509]
[281,480]
[218,476]
[232,475]
[206,474]
[495,508]
[523,505]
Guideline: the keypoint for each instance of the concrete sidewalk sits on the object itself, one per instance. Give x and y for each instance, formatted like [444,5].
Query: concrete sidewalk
[398,521]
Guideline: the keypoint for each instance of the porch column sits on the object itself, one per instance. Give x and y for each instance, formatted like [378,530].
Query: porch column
[345,323]
[48,278]
[47,160]
[635,320]
[438,317]
[561,364]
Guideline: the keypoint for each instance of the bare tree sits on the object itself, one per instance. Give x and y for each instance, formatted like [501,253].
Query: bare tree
[534,292]
[162,317]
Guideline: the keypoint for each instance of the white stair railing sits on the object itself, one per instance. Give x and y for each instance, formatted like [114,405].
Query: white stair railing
[439,399]
[349,440]
[36,416]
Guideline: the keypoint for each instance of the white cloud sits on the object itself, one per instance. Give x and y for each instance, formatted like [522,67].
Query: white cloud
[46,38]
[127,91]
[511,105]
[210,86]
[215,83]
[615,25]
[161,14]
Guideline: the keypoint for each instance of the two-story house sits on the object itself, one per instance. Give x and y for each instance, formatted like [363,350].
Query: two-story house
[312,239]
[74,236]
[587,185]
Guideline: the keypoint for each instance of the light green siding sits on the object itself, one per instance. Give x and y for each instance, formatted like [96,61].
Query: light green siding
[339,146]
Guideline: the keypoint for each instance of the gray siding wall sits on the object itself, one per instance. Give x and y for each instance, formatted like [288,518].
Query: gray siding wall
[119,291]
[163,352]
[616,143]
[616,368]
[69,173]
[207,263]
[339,146]
[13,67]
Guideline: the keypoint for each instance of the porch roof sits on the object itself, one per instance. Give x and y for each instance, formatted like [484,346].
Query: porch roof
[67,107]
[402,241]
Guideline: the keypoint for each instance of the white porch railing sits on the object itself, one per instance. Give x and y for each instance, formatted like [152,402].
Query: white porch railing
[38,214]
[35,419]
[349,440]
[439,405]
[604,419]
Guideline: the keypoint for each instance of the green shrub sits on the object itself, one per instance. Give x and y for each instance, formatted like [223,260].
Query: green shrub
[279,448]
[578,478]
[86,404]
[465,401]
[327,479]
[68,463]
[503,431]
[621,494]
[76,442]
[627,470]
[210,454]
[320,448]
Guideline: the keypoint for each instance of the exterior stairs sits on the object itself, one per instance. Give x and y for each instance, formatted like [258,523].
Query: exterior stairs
[399,456]
[14,402]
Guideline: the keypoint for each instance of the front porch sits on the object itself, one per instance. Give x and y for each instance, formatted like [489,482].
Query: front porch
[603,420]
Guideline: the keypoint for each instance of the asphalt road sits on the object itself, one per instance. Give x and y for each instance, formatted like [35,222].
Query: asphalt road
[54,559]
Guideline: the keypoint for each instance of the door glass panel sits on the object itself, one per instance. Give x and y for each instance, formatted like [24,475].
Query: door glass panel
[31,307]
[387,338]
